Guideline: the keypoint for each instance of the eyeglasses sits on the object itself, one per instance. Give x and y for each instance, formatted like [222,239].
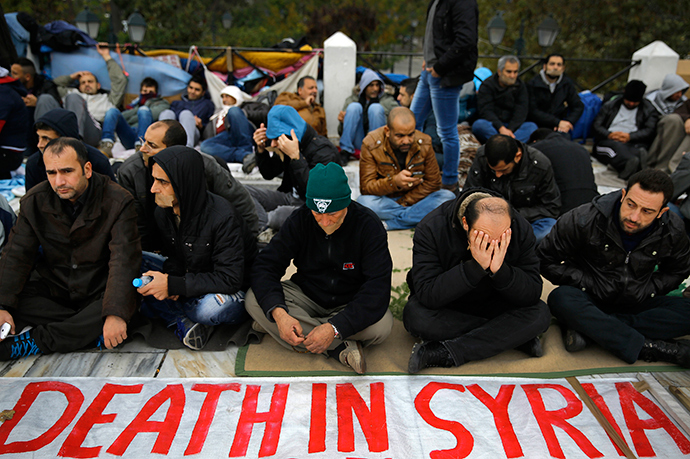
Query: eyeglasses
[143,142]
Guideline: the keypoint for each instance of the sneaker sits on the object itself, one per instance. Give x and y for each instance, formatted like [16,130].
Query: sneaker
[106,147]
[18,346]
[249,163]
[256,326]
[574,342]
[429,354]
[192,334]
[353,357]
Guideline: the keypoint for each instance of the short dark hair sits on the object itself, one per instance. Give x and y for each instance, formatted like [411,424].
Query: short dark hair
[654,181]
[499,148]
[199,80]
[540,134]
[150,82]
[301,81]
[27,65]
[410,85]
[546,59]
[43,126]
[174,134]
[57,146]
[480,206]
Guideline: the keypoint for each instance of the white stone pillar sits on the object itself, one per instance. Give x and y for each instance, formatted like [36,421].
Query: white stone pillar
[658,60]
[339,64]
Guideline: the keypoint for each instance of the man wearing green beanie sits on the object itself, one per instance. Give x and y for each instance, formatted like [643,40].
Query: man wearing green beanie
[337,301]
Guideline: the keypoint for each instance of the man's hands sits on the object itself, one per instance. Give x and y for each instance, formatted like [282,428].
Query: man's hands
[79,74]
[341,116]
[433,72]
[564,126]
[114,331]
[198,122]
[158,287]
[289,146]
[505,131]
[7,317]
[289,327]
[318,340]
[104,51]
[687,126]
[490,254]
[619,136]
[404,179]
[29,100]
[260,138]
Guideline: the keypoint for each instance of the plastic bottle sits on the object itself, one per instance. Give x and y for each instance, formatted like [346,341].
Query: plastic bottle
[141,281]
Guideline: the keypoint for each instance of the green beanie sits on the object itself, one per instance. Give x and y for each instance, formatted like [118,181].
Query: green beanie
[327,188]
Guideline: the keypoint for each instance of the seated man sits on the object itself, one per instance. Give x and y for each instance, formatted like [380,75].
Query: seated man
[363,113]
[474,284]
[131,125]
[232,140]
[192,111]
[304,101]
[681,185]
[203,281]
[90,103]
[337,301]
[672,130]
[14,123]
[135,176]
[523,175]
[503,104]
[571,164]
[295,148]
[614,261]
[398,173]
[7,220]
[624,129]
[42,94]
[553,100]
[60,123]
[80,229]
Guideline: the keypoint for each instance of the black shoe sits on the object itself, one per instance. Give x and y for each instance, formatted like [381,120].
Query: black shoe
[345,157]
[249,163]
[633,165]
[677,352]
[532,347]
[574,342]
[429,354]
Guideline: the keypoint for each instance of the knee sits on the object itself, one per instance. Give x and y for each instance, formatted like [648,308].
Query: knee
[167,115]
[376,110]
[185,115]
[74,99]
[143,109]
[562,299]
[354,109]
[252,306]
[368,200]
[413,316]
[216,309]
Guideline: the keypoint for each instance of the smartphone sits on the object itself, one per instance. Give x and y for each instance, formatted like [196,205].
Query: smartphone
[418,174]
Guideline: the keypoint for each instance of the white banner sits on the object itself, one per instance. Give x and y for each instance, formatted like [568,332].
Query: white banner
[339,417]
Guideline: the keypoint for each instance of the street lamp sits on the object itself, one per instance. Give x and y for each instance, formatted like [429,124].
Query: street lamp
[136,27]
[547,32]
[226,19]
[88,23]
[497,29]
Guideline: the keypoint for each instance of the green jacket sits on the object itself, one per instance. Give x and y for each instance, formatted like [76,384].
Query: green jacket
[156,106]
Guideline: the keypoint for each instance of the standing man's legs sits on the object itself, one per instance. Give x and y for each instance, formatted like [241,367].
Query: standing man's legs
[445,103]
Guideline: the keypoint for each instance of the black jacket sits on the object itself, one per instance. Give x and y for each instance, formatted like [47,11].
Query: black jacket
[455,40]
[646,119]
[500,105]
[64,122]
[584,250]
[350,267]
[210,251]
[313,149]
[444,274]
[531,188]
[547,109]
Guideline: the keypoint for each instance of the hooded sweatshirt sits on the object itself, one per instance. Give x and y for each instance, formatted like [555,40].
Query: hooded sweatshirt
[672,84]
[209,248]
[14,117]
[64,122]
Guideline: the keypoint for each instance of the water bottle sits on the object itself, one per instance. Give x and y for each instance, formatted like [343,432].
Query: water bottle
[141,281]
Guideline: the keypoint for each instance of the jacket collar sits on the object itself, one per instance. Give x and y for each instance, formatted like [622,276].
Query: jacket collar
[92,207]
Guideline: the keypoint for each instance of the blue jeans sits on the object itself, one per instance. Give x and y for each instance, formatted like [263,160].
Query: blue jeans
[209,309]
[114,122]
[235,142]
[397,217]
[445,104]
[542,227]
[483,129]
[353,125]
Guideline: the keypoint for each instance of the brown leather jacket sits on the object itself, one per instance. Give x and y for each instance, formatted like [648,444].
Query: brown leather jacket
[314,116]
[99,253]
[378,165]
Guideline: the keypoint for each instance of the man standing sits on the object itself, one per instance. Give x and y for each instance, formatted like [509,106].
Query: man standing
[363,113]
[503,103]
[399,177]
[614,261]
[135,176]
[304,101]
[523,175]
[553,100]
[89,102]
[208,248]
[70,260]
[337,301]
[474,284]
[624,129]
[450,56]
[192,111]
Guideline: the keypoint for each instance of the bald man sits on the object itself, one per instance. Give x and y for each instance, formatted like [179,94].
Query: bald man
[399,177]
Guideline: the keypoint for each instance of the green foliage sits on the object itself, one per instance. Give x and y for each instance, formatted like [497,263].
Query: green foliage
[399,296]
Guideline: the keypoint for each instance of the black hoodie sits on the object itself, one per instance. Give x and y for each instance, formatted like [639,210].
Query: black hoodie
[64,122]
[209,248]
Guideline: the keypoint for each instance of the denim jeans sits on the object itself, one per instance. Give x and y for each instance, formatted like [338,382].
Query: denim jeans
[114,122]
[542,227]
[235,142]
[483,129]
[353,125]
[209,309]
[187,121]
[445,104]
[397,217]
